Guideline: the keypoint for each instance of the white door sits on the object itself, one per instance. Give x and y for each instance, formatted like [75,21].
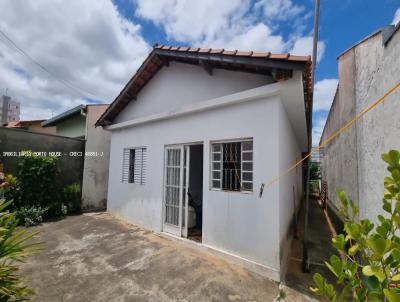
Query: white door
[175,190]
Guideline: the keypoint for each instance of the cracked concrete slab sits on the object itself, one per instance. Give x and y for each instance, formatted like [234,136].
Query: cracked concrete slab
[96,257]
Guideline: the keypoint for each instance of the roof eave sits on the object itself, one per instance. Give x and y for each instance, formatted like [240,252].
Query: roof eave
[160,56]
[63,116]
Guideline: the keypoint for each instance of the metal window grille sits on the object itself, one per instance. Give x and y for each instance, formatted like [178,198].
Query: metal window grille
[232,166]
[172,186]
[216,166]
[247,166]
[134,165]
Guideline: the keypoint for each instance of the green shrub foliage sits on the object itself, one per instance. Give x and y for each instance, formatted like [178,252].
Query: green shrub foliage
[315,170]
[15,246]
[72,197]
[30,216]
[38,181]
[368,265]
[36,191]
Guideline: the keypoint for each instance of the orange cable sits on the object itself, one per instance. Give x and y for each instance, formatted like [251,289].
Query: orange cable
[334,135]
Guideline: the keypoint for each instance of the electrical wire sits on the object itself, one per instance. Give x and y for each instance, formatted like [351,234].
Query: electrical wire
[81,92]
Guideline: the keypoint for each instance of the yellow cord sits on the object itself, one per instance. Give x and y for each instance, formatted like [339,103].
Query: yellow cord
[334,135]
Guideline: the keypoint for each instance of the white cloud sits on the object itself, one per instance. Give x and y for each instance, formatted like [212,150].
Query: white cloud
[318,128]
[87,43]
[229,24]
[279,9]
[304,46]
[323,96]
[324,92]
[193,21]
[396,18]
[257,38]
[91,45]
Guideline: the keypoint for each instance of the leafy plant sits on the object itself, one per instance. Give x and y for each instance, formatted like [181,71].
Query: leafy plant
[12,191]
[14,247]
[314,186]
[315,170]
[368,265]
[35,192]
[30,216]
[72,197]
[37,176]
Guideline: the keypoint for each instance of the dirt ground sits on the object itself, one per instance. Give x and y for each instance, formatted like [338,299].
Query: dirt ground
[96,257]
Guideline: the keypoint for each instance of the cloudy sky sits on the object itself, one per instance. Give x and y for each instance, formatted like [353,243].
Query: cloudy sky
[56,54]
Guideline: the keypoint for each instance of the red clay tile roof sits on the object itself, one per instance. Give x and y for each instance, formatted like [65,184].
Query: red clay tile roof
[266,55]
[22,124]
[278,65]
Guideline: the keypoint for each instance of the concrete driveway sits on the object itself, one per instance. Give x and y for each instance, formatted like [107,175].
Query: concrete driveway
[96,257]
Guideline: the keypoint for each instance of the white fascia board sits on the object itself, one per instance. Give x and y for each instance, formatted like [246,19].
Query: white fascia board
[228,100]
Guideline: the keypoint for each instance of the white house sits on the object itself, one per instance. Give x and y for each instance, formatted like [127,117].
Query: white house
[194,134]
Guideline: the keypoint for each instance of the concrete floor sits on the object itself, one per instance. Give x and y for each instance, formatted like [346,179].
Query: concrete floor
[319,250]
[96,257]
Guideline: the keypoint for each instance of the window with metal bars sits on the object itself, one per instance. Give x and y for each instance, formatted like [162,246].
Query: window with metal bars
[232,166]
[134,165]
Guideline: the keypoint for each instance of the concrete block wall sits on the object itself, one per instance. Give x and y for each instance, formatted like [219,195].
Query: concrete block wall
[70,163]
[353,160]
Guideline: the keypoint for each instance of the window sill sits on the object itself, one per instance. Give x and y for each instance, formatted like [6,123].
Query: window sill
[234,192]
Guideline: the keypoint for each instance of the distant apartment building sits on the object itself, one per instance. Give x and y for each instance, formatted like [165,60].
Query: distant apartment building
[352,162]
[9,110]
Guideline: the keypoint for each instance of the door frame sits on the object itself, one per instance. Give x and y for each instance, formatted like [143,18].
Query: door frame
[181,231]
[170,228]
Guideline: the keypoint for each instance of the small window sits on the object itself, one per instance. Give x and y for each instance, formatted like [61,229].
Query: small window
[232,166]
[134,165]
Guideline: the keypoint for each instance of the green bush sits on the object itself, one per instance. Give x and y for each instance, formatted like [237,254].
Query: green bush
[72,197]
[38,182]
[12,192]
[36,191]
[314,186]
[368,268]
[30,216]
[315,170]
[14,248]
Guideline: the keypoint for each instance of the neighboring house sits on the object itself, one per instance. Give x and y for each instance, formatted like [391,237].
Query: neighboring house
[9,110]
[352,161]
[194,134]
[71,123]
[32,126]
[79,122]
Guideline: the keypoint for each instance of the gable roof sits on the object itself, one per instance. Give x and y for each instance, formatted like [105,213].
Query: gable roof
[279,66]
[63,116]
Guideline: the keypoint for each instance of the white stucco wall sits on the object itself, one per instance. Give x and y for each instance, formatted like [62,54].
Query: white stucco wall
[352,162]
[96,164]
[184,84]
[290,186]
[339,164]
[377,68]
[240,223]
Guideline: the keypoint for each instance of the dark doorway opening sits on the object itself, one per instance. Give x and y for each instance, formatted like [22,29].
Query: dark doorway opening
[195,193]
